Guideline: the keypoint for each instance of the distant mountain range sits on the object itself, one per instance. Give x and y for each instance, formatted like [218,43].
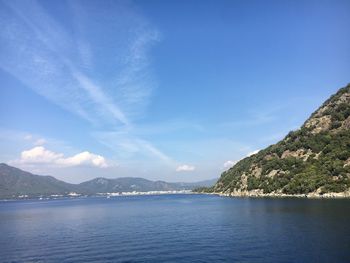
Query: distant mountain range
[313,160]
[15,182]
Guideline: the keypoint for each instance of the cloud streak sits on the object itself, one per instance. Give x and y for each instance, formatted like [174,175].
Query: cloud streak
[38,51]
[100,70]
[125,145]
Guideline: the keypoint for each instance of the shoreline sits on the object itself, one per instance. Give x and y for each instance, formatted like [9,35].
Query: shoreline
[99,195]
[238,194]
[260,194]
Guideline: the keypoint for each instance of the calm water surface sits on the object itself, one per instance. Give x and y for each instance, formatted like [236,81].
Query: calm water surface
[175,228]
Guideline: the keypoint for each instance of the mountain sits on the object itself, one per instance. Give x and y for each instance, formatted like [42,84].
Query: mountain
[312,160]
[129,184]
[15,182]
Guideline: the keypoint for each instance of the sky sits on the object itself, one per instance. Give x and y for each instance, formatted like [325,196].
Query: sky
[164,90]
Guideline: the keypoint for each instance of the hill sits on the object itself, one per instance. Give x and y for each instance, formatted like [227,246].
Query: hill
[15,182]
[313,160]
[129,184]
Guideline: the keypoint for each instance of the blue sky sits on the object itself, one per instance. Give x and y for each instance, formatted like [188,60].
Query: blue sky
[169,90]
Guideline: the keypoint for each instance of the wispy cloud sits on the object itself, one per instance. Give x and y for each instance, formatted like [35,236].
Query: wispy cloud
[28,137]
[125,145]
[40,141]
[153,150]
[101,71]
[38,51]
[98,97]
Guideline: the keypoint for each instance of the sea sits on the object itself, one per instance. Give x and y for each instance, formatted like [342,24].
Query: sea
[175,228]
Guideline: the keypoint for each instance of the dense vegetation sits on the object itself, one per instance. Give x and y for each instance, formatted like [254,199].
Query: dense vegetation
[314,158]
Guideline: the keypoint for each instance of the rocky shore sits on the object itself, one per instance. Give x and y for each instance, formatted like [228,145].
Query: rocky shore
[259,193]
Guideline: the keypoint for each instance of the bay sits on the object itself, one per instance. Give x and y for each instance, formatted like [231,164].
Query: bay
[175,228]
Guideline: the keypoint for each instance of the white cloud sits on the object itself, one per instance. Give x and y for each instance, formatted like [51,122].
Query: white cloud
[252,153]
[185,168]
[40,155]
[84,158]
[229,164]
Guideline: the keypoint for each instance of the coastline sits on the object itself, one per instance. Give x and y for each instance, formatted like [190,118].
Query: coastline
[260,194]
[239,194]
[102,195]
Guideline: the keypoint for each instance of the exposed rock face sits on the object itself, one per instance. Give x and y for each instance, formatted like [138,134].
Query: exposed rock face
[272,173]
[320,124]
[346,124]
[300,153]
[256,171]
[260,193]
[347,162]
[314,160]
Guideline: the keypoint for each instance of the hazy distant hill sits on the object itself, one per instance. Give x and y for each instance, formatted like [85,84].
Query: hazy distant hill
[314,159]
[15,182]
[128,184]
